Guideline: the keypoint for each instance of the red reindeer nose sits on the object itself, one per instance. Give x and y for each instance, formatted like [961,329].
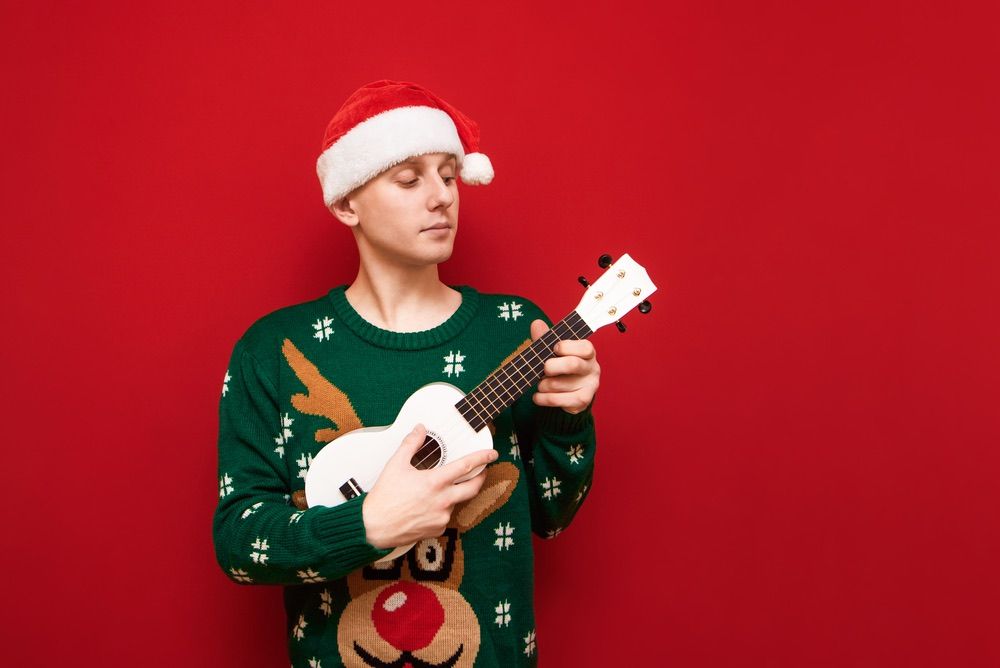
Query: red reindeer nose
[407,615]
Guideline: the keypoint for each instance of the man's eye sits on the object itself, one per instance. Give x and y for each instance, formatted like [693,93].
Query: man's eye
[449,178]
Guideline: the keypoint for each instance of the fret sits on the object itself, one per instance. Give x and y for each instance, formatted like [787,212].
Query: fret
[506,385]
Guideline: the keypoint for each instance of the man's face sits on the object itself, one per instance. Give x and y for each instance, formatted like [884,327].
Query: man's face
[396,210]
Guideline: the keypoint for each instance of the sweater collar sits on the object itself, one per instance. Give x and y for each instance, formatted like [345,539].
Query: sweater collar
[386,338]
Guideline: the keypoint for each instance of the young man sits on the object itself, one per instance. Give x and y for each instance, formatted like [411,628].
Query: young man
[304,375]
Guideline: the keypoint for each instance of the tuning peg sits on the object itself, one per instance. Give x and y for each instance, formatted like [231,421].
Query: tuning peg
[645,306]
[584,282]
[604,261]
[620,325]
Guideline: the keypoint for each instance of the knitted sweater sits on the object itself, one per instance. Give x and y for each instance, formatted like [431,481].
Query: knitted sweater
[302,376]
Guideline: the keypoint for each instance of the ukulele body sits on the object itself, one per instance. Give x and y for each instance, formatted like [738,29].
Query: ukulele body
[350,464]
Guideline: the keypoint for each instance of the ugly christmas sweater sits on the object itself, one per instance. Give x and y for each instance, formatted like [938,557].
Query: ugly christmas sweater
[306,374]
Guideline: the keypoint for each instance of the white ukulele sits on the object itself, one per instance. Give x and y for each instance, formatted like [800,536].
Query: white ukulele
[457,423]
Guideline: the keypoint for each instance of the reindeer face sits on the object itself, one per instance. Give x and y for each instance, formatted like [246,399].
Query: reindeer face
[409,611]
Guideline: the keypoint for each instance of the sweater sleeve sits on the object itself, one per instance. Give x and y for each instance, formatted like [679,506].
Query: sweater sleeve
[259,536]
[557,448]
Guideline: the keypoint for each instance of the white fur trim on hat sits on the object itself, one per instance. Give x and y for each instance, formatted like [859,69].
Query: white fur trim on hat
[384,140]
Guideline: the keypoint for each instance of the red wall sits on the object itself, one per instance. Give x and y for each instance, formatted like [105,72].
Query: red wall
[798,458]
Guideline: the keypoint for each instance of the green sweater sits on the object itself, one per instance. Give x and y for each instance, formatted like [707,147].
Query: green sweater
[304,375]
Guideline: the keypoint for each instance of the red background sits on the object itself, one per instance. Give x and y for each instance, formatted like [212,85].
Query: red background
[798,461]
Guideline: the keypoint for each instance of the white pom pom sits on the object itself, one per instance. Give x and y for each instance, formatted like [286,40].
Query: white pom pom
[477,170]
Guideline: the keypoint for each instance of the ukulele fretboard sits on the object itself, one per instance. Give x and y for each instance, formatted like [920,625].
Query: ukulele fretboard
[505,385]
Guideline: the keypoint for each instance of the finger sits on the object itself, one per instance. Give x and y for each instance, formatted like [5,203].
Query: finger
[582,349]
[570,365]
[571,402]
[467,489]
[561,384]
[538,327]
[412,442]
[463,466]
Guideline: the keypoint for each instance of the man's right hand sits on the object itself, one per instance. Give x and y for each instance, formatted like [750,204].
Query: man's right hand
[407,504]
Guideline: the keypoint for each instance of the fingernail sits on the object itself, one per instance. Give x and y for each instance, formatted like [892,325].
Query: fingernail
[493,455]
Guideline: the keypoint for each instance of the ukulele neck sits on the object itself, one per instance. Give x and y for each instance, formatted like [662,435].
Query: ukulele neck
[506,385]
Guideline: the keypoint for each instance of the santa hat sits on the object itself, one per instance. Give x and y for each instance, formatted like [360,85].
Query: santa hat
[385,122]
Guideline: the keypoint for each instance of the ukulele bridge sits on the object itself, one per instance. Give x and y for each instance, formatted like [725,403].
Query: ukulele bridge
[351,489]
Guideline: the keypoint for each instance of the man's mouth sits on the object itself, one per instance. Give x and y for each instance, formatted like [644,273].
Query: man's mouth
[437,226]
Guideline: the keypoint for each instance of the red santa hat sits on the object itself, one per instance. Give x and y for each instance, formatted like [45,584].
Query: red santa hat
[385,122]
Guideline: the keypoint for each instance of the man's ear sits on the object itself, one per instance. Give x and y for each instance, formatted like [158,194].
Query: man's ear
[345,213]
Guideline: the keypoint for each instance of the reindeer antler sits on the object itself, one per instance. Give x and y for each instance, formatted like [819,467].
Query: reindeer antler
[324,399]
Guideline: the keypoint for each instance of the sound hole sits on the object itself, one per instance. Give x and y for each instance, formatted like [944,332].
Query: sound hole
[429,454]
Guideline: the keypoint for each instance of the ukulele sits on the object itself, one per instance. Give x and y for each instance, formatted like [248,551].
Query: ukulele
[457,423]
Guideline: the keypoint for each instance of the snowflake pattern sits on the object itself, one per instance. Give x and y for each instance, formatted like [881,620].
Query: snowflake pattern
[304,462]
[260,548]
[284,434]
[529,643]
[579,495]
[240,575]
[503,613]
[505,536]
[515,450]
[225,486]
[550,487]
[327,602]
[323,328]
[575,454]
[296,516]
[314,663]
[225,383]
[251,510]
[552,533]
[454,361]
[511,311]
[309,575]
[299,631]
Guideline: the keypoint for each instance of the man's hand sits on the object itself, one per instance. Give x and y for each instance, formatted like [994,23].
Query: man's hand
[572,377]
[407,504]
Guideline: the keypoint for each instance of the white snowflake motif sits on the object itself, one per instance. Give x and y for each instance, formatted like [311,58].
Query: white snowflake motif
[552,533]
[225,383]
[260,547]
[454,361]
[326,606]
[225,485]
[505,536]
[510,311]
[551,487]
[284,434]
[575,454]
[240,575]
[503,613]
[304,462]
[296,516]
[529,643]
[323,328]
[580,494]
[515,450]
[251,510]
[299,631]
[309,575]
[314,663]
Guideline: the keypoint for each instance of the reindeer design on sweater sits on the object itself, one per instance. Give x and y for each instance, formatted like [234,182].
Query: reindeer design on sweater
[407,612]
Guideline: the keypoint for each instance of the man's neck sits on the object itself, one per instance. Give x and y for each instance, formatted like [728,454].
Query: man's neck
[402,299]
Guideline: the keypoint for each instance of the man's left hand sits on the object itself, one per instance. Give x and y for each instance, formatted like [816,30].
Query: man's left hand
[571,377]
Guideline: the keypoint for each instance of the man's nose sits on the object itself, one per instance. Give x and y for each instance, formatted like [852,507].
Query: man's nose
[442,194]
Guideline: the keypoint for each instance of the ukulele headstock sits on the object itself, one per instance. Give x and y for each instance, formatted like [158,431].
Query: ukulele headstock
[620,289]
